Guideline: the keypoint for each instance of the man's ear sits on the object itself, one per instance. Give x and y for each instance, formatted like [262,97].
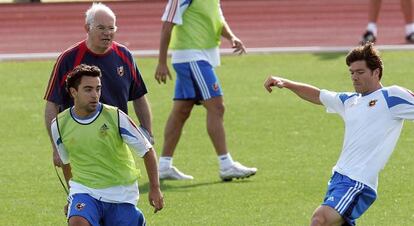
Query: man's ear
[376,72]
[73,92]
[87,28]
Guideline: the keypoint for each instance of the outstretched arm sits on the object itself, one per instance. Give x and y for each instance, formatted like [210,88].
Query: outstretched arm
[304,91]
[155,196]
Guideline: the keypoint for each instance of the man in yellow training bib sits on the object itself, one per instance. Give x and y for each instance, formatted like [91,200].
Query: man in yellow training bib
[93,141]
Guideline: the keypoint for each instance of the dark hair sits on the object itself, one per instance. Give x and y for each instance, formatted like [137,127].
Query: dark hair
[74,77]
[369,54]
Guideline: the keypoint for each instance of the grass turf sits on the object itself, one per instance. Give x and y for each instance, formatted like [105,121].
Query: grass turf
[294,144]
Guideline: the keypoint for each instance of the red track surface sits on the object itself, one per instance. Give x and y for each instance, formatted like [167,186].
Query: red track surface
[52,27]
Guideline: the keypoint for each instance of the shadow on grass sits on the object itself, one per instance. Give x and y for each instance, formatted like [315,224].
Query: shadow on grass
[183,185]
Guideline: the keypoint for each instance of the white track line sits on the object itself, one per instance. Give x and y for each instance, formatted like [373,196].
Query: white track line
[264,50]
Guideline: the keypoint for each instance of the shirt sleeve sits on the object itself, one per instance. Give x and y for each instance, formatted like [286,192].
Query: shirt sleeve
[138,88]
[174,11]
[132,135]
[57,141]
[55,91]
[400,101]
[333,101]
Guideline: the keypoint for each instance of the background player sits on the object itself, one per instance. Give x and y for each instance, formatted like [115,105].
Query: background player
[371,32]
[194,60]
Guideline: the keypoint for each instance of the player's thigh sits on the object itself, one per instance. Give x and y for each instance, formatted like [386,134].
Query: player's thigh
[196,80]
[123,214]
[348,197]
[183,106]
[83,206]
[185,85]
[207,80]
[78,221]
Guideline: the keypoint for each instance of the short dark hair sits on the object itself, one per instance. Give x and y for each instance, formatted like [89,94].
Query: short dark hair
[74,77]
[368,53]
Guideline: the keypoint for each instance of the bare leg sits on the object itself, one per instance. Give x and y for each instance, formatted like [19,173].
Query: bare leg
[215,127]
[178,116]
[326,216]
[407,9]
[374,9]
[371,29]
[78,221]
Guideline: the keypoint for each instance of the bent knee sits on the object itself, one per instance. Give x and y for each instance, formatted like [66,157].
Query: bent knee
[182,113]
[326,216]
[318,220]
[217,109]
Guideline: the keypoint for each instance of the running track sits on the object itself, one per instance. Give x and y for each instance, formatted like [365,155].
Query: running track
[52,27]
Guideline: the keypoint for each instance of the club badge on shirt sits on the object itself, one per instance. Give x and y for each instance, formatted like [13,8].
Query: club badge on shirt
[372,103]
[120,70]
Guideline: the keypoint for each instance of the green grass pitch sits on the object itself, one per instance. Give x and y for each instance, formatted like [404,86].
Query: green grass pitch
[293,144]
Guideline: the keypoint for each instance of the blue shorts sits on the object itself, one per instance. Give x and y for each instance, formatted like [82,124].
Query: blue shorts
[197,81]
[348,197]
[99,213]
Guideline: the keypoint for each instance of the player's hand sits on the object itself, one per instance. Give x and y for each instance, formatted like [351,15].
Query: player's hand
[272,81]
[161,73]
[156,199]
[238,46]
[56,159]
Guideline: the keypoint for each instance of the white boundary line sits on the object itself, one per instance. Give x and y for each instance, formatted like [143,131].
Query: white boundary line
[264,50]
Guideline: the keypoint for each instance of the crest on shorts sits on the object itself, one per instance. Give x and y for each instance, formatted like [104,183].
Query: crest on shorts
[215,86]
[372,103]
[120,70]
[79,206]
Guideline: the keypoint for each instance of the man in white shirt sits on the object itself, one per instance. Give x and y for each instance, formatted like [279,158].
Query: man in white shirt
[373,117]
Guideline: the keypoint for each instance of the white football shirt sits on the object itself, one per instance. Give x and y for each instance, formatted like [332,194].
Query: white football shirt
[373,125]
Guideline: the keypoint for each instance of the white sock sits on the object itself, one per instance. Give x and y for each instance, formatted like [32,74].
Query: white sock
[165,162]
[409,28]
[372,27]
[225,161]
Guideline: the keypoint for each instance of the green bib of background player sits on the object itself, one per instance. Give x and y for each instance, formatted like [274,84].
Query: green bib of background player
[94,164]
[201,28]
